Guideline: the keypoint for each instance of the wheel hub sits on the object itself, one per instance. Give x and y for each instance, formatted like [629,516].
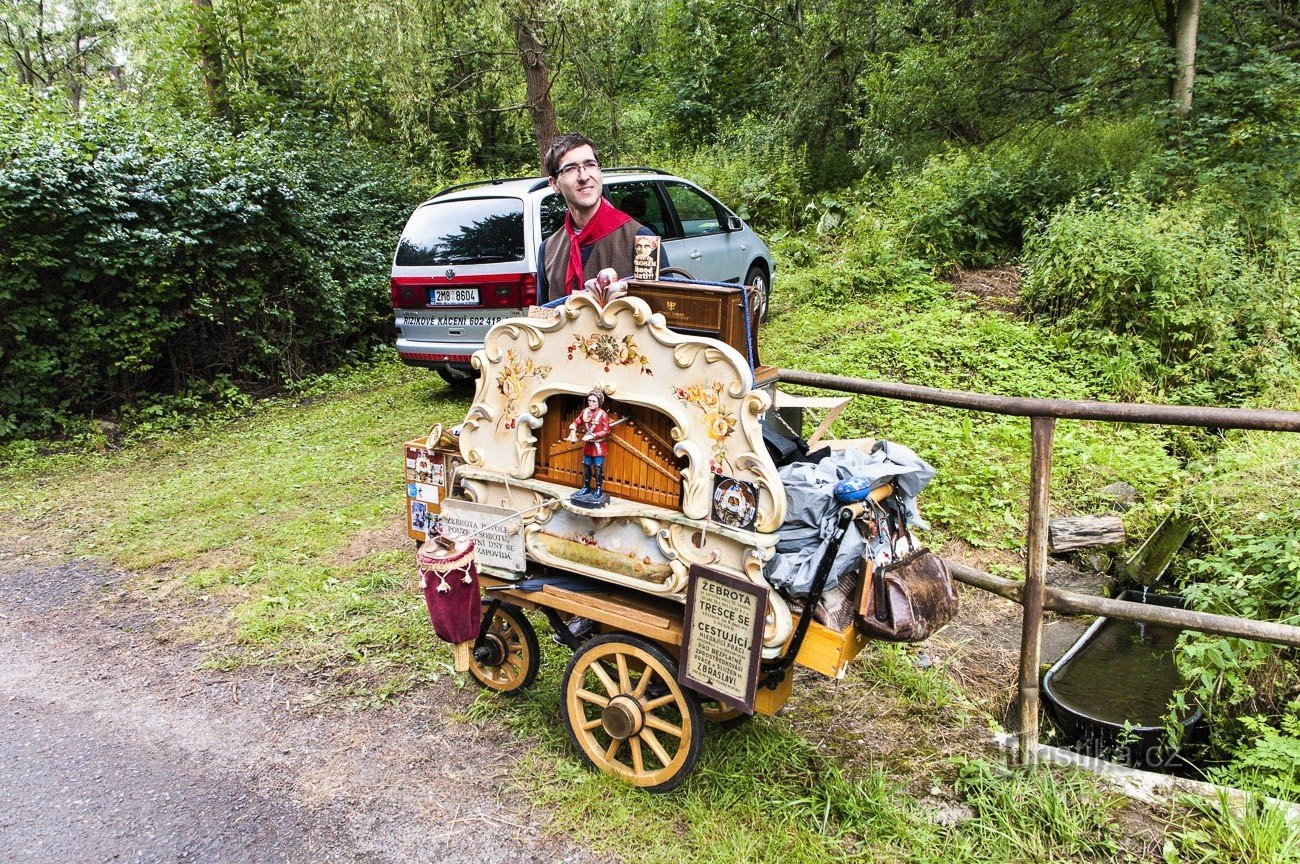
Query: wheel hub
[622,717]
[491,651]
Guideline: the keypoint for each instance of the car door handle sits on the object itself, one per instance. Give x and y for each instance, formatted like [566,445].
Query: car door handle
[696,256]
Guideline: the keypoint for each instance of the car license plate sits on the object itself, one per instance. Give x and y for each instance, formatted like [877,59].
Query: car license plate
[447,320]
[453,296]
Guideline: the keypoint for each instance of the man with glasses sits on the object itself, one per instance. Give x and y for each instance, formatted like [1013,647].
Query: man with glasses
[595,233]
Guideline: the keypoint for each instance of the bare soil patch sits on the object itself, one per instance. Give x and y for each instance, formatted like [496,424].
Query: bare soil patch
[995,288]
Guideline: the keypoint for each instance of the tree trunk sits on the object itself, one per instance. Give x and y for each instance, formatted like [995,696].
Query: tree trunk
[77,68]
[214,71]
[1186,22]
[537,80]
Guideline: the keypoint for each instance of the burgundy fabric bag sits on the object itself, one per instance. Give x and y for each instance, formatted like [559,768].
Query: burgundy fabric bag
[449,577]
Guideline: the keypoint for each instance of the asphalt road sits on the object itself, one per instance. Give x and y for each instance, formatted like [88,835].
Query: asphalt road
[78,783]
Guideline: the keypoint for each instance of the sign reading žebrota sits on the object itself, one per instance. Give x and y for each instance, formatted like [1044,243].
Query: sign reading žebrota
[722,636]
[498,533]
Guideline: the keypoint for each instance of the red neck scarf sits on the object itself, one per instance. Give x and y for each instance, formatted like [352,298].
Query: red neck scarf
[606,220]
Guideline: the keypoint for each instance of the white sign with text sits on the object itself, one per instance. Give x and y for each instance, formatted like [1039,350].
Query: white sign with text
[498,533]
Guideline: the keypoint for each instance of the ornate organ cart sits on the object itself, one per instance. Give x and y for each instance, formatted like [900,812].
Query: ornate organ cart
[661,593]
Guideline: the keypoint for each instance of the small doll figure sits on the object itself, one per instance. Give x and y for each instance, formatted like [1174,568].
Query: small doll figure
[594,425]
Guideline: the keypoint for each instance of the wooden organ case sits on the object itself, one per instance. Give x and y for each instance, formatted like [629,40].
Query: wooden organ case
[716,311]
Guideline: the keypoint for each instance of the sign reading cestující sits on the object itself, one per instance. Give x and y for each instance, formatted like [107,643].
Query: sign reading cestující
[722,637]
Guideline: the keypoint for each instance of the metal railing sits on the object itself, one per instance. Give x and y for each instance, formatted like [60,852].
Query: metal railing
[1034,595]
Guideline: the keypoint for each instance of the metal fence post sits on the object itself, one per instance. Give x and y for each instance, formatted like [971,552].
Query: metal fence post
[1031,635]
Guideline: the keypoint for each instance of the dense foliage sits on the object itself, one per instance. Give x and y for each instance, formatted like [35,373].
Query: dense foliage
[144,259]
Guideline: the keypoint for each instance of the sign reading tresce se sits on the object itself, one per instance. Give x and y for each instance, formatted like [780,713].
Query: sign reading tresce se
[722,637]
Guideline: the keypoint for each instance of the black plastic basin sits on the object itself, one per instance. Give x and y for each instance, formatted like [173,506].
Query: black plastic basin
[1110,692]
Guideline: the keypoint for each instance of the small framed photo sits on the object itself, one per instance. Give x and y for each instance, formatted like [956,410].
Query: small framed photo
[735,503]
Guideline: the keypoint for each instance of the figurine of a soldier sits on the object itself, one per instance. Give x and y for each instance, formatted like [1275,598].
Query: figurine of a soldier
[593,425]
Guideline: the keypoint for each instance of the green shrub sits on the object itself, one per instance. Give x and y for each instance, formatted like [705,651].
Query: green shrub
[755,173]
[866,259]
[972,207]
[1185,302]
[1245,562]
[144,260]
[1239,148]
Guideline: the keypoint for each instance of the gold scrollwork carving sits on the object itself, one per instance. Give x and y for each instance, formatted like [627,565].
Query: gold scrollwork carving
[526,453]
[779,623]
[542,516]
[756,403]
[475,490]
[478,415]
[650,527]
[755,560]
[772,502]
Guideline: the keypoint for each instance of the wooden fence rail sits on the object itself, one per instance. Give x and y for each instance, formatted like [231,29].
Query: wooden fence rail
[1034,595]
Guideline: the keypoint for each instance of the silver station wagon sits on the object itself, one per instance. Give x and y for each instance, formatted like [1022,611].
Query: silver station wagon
[468,256]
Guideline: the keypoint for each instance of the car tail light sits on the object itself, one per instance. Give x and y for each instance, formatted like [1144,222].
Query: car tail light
[497,291]
[408,293]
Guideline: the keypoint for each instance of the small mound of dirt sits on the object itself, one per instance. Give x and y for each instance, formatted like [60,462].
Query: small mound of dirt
[991,287]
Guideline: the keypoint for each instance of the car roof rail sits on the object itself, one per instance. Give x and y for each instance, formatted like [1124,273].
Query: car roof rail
[542,181]
[494,182]
[634,169]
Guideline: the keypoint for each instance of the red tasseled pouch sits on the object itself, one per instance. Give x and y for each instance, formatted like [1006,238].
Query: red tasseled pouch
[449,577]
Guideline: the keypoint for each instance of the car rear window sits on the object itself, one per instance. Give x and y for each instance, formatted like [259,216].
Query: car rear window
[467,231]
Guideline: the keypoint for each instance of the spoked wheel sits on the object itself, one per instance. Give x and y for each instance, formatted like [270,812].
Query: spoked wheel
[627,715]
[757,277]
[507,657]
[724,716]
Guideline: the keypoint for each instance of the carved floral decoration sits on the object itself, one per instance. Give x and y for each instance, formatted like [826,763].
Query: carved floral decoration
[511,381]
[719,421]
[609,350]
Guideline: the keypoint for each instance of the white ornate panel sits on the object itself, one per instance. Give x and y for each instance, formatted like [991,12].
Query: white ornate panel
[703,385]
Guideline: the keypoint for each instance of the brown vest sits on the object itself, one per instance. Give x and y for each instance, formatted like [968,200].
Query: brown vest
[613,250]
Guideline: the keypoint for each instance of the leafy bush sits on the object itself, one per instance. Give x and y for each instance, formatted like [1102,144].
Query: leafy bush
[972,207]
[1178,291]
[754,172]
[1246,563]
[866,260]
[1240,147]
[141,259]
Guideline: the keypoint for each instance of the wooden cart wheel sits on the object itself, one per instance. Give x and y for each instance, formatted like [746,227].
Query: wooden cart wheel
[507,658]
[627,715]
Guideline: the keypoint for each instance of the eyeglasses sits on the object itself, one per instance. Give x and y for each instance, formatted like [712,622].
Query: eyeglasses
[591,166]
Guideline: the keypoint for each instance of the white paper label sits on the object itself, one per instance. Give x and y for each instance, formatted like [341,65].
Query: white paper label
[501,545]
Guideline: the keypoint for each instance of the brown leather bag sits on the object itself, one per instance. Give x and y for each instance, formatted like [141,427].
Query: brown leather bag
[907,600]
